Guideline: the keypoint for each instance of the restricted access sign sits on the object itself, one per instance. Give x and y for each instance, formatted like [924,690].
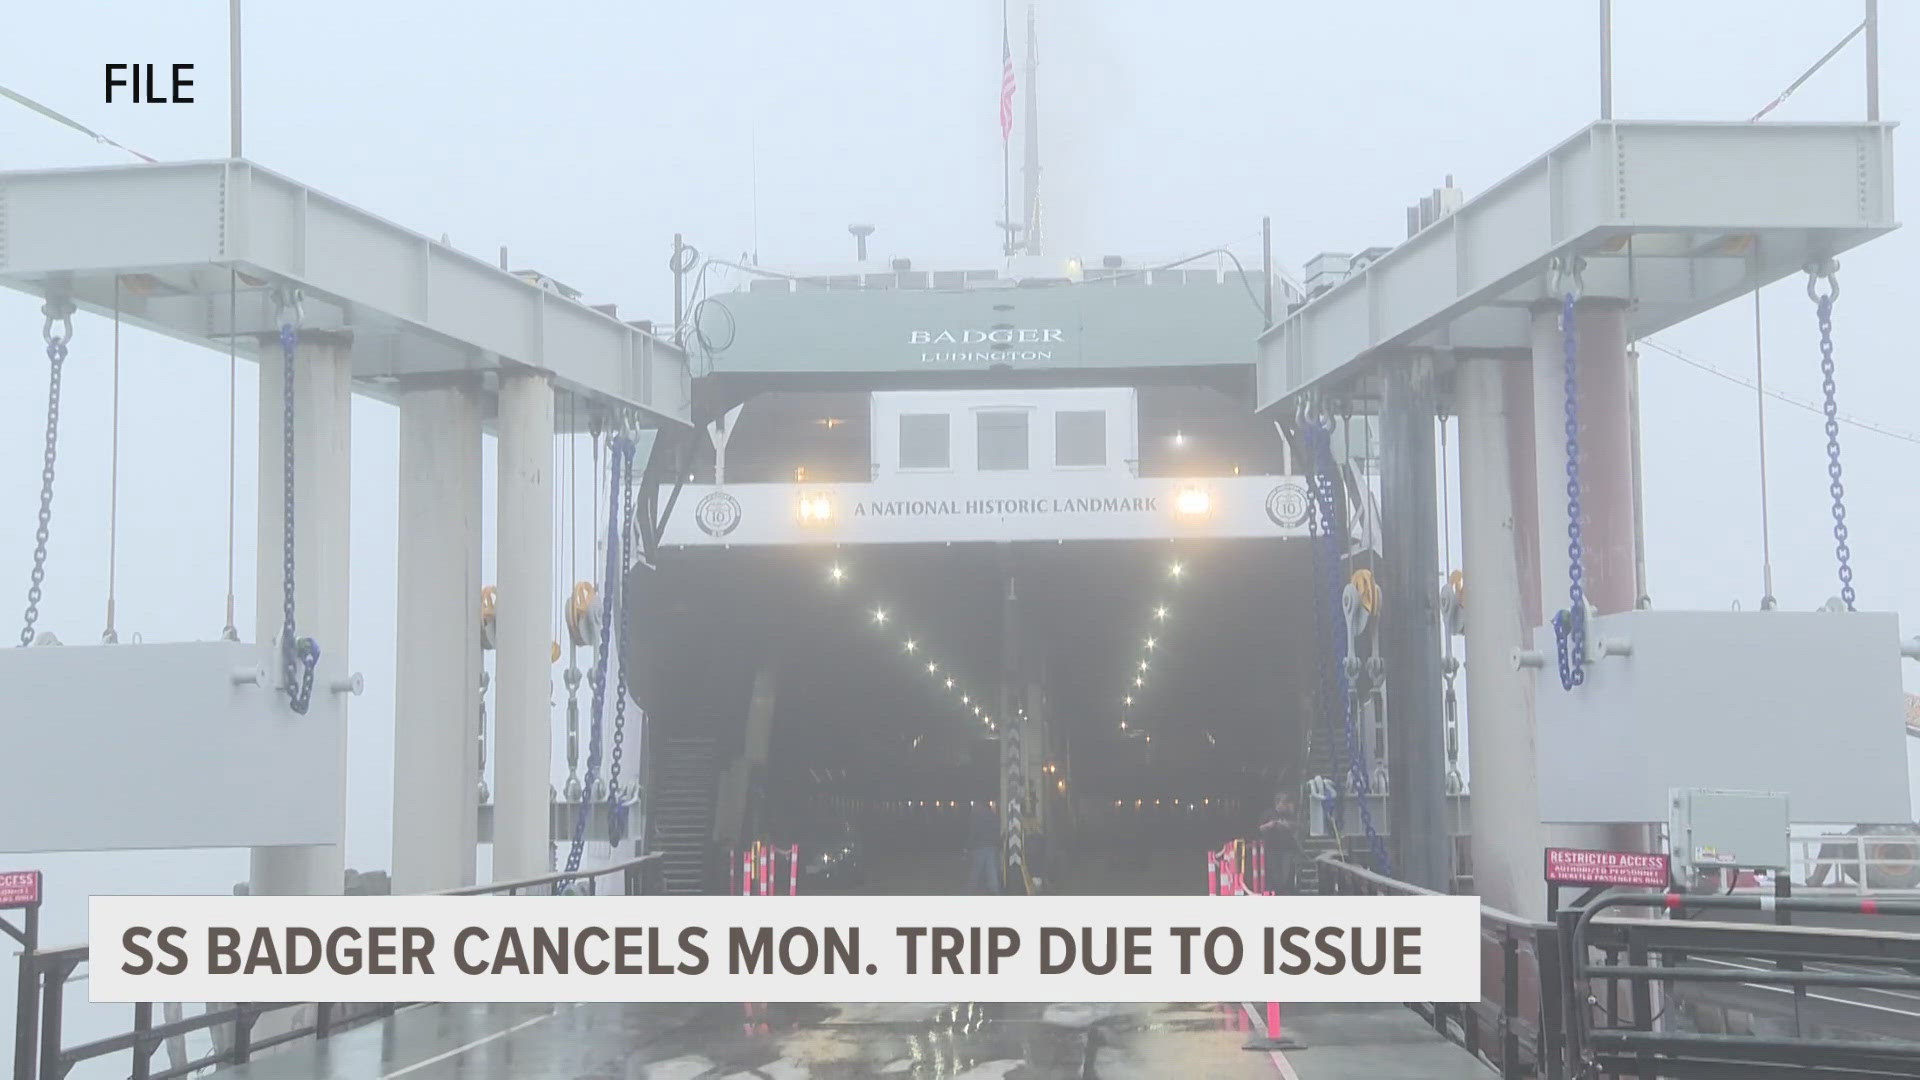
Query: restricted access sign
[1578,866]
[19,888]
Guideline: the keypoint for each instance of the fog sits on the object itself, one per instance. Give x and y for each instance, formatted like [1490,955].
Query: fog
[583,136]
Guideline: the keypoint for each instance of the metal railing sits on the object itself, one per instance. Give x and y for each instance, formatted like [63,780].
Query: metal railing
[1880,861]
[231,1028]
[1518,1025]
[1587,997]
[1849,999]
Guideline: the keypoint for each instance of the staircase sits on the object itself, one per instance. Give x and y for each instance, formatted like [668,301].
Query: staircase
[680,814]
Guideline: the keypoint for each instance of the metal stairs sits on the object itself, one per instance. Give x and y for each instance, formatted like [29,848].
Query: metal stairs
[680,814]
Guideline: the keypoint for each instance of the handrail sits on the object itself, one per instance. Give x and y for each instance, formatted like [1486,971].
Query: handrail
[47,971]
[514,888]
[1781,958]
[1518,1025]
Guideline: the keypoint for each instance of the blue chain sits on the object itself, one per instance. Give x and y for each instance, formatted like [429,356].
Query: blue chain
[1357,776]
[1321,515]
[617,810]
[1823,308]
[1570,626]
[622,453]
[298,656]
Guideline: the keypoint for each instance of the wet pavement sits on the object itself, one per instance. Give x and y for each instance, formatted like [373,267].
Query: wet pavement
[783,1042]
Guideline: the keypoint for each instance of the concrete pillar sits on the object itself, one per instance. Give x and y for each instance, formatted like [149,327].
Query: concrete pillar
[1606,456]
[437,623]
[1513,510]
[322,427]
[1508,839]
[523,629]
[1410,634]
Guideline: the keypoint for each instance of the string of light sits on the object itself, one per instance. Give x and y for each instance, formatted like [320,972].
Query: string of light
[1152,645]
[912,649]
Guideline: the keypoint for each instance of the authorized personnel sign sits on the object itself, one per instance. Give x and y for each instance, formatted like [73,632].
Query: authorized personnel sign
[19,888]
[1579,866]
[806,948]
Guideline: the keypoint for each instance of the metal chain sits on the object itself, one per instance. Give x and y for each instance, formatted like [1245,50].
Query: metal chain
[1357,777]
[60,310]
[1570,626]
[298,656]
[1320,517]
[622,451]
[616,810]
[1823,310]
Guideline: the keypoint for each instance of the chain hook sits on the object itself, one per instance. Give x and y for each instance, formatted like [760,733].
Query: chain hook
[1827,270]
[1568,275]
[58,308]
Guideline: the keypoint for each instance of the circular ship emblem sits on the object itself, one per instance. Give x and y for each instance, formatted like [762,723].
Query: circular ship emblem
[718,514]
[1287,504]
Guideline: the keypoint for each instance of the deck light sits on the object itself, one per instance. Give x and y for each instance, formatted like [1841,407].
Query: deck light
[1193,503]
[816,509]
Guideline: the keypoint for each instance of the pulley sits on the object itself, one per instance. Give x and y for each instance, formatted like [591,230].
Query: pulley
[583,616]
[1368,590]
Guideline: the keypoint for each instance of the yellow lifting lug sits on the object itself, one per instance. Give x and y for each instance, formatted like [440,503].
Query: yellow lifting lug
[486,616]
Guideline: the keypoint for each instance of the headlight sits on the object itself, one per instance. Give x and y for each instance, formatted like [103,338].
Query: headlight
[815,508]
[1193,503]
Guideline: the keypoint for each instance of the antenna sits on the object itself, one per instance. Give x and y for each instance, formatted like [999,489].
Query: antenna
[753,172]
[1031,168]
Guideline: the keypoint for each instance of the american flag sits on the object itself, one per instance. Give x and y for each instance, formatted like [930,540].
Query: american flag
[1006,85]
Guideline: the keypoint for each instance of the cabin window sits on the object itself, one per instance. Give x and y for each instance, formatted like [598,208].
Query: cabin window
[1080,438]
[924,441]
[1001,440]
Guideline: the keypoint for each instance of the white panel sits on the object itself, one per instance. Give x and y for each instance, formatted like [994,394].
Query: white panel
[87,218]
[154,746]
[1805,703]
[994,506]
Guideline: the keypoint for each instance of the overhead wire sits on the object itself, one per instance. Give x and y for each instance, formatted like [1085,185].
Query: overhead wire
[113,476]
[1760,412]
[1737,380]
[229,632]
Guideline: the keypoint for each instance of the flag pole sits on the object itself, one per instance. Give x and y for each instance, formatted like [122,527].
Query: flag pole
[1006,182]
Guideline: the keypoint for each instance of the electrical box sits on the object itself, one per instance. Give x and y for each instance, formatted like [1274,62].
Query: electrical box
[1721,830]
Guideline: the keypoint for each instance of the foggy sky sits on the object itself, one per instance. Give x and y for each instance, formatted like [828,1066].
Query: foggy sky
[584,136]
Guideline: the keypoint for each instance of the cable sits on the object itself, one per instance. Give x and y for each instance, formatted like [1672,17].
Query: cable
[1760,411]
[229,632]
[1852,421]
[108,636]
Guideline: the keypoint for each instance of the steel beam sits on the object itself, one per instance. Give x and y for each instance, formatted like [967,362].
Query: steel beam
[1676,217]
[170,233]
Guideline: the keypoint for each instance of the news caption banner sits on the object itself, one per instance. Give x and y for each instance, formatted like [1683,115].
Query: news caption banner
[803,948]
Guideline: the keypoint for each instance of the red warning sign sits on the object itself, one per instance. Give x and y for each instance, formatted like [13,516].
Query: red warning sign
[19,888]
[1578,866]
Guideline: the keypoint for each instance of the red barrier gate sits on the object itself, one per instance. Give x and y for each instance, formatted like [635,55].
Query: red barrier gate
[1239,868]
[755,869]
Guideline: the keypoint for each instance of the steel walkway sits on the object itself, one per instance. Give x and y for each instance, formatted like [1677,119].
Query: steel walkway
[848,1042]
